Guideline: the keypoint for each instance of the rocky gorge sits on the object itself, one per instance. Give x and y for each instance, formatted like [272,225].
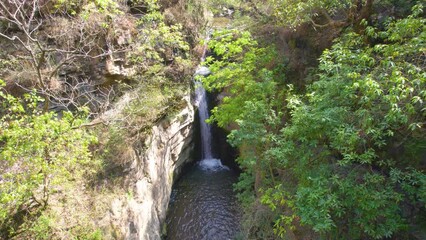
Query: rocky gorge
[151,174]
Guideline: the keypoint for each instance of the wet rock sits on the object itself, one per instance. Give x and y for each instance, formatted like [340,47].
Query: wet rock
[203,71]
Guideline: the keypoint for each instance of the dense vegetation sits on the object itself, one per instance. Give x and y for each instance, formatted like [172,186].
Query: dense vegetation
[40,155]
[325,100]
[343,156]
[63,64]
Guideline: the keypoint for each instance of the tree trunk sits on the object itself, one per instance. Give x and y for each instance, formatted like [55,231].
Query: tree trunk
[364,13]
[258,173]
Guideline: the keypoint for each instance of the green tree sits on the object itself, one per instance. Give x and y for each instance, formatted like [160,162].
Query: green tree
[319,13]
[342,158]
[40,154]
[246,73]
[368,100]
[295,12]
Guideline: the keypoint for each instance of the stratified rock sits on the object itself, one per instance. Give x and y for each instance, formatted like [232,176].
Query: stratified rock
[154,168]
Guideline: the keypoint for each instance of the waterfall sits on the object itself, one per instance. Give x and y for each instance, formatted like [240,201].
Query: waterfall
[205,129]
[203,204]
[207,161]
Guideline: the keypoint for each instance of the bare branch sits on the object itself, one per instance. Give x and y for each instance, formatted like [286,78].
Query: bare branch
[77,42]
[92,123]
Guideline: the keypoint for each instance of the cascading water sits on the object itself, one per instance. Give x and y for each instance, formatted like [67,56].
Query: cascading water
[207,162]
[203,205]
[205,128]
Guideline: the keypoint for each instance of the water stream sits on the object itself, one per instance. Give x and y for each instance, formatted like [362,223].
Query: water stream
[205,129]
[203,205]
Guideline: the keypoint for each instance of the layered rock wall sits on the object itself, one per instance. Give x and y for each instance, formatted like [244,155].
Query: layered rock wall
[154,167]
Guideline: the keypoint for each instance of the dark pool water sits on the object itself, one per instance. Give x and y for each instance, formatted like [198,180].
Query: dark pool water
[203,205]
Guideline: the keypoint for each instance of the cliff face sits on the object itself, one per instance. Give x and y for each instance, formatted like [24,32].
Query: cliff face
[86,57]
[152,169]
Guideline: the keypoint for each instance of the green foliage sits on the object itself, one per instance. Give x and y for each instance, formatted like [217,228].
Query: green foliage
[67,6]
[85,8]
[369,98]
[401,7]
[216,6]
[279,200]
[45,157]
[367,203]
[82,232]
[288,13]
[158,42]
[41,227]
[161,51]
[157,96]
[240,70]
[295,12]
[348,156]
[40,155]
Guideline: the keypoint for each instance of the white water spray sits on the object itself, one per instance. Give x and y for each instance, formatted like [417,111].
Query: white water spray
[207,162]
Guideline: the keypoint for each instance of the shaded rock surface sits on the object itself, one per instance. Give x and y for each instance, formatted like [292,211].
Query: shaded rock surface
[153,168]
